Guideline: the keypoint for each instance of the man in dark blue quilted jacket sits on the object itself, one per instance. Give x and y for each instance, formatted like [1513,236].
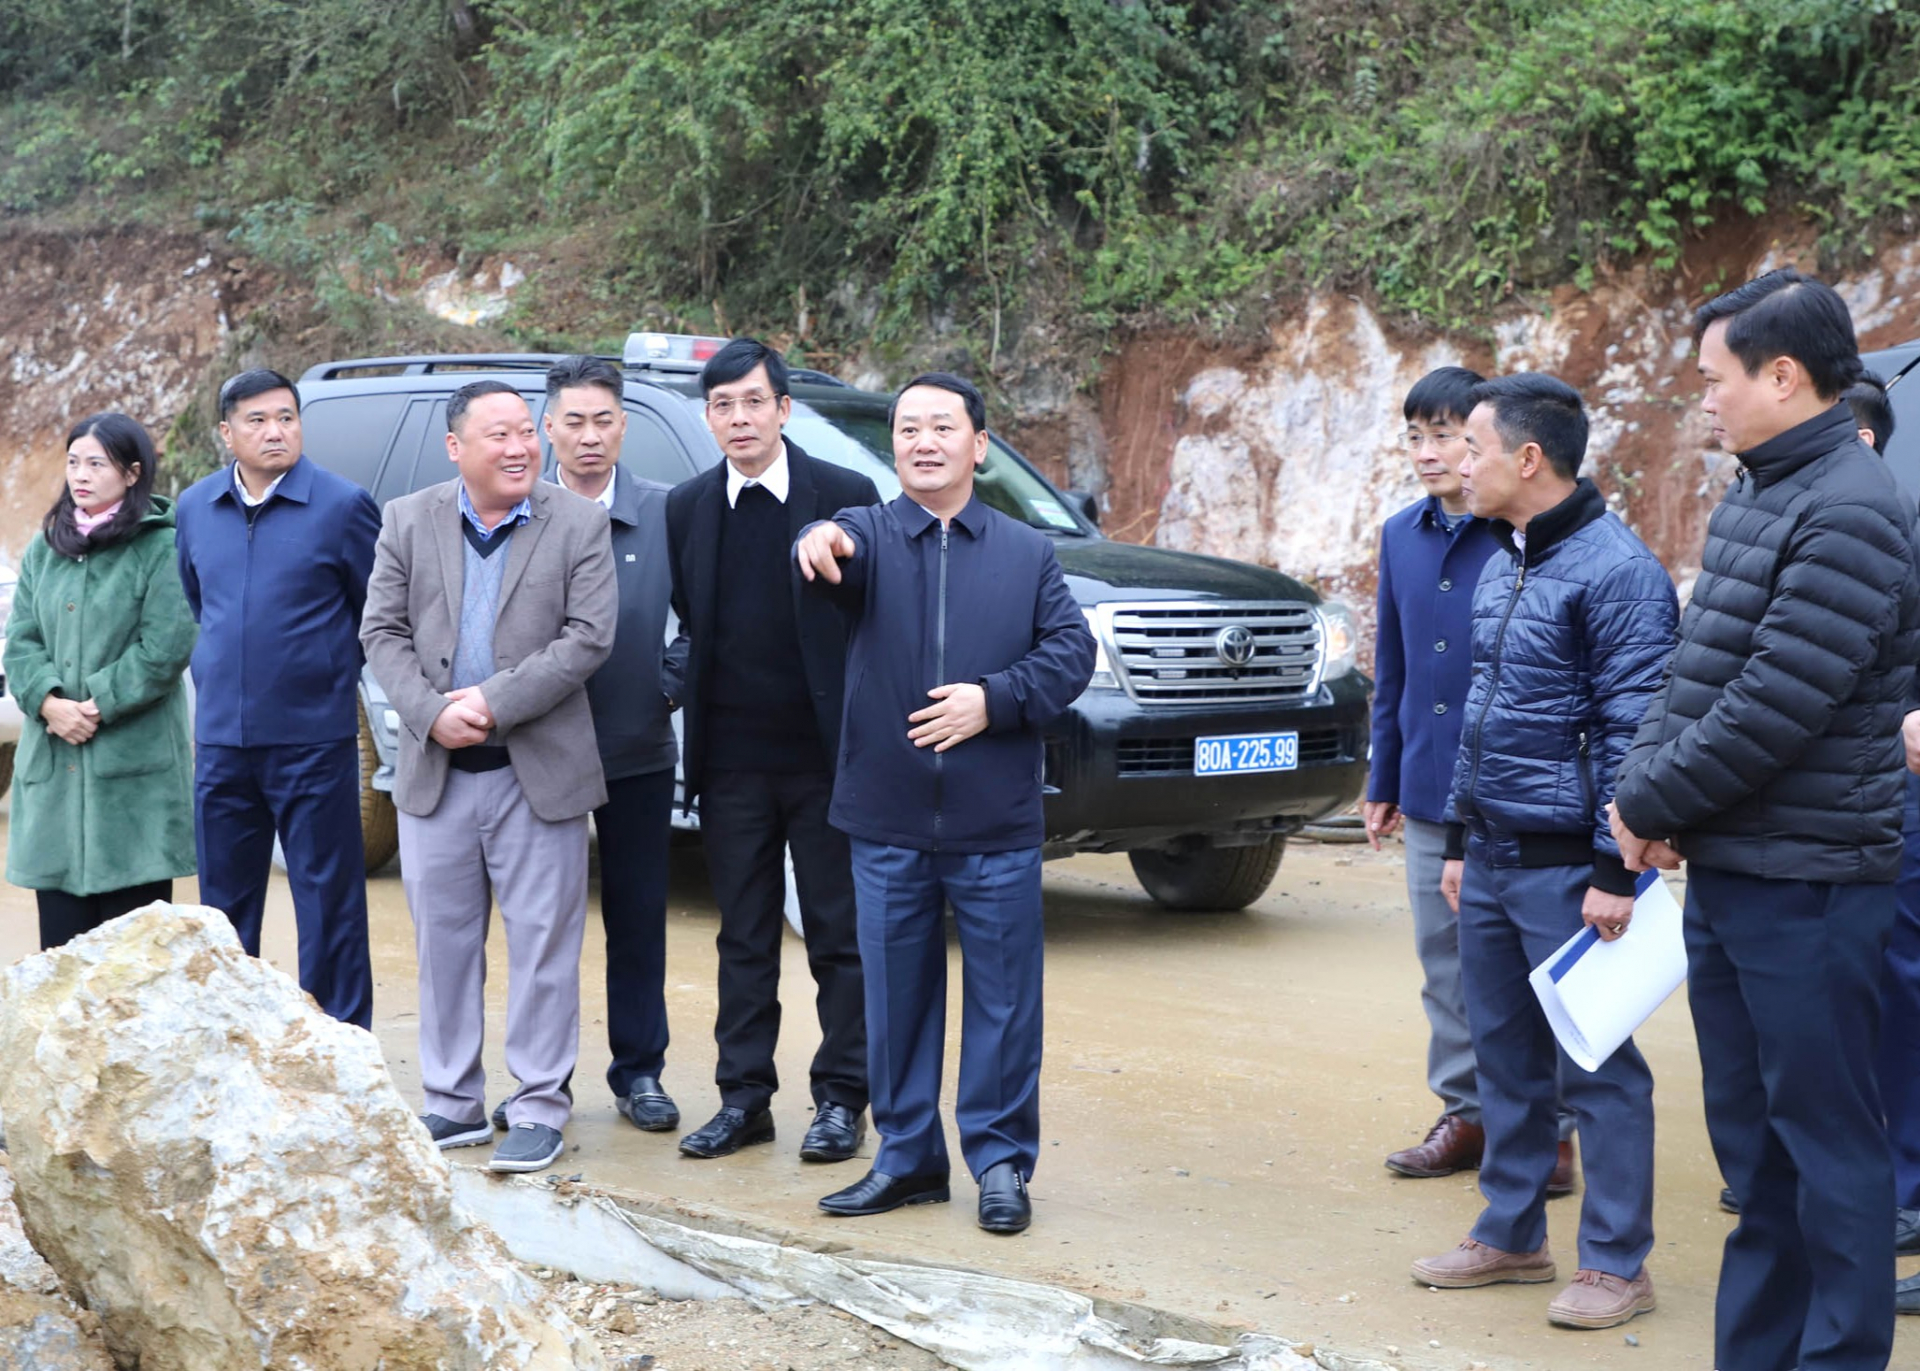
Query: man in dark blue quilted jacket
[1772,762]
[1571,633]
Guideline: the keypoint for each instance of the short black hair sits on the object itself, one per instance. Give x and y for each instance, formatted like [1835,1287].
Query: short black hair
[1788,314]
[248,384]
[458,402]
[1867,397]
[968,392]
[1533,407]
[1443,393]
[569,372]
[126,444]
[736,359]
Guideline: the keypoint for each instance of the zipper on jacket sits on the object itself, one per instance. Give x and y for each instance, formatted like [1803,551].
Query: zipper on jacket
[940,679]
[1586,773]
[1493,682]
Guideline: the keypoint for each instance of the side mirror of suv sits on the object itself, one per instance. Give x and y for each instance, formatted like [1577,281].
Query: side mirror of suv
[1087,503]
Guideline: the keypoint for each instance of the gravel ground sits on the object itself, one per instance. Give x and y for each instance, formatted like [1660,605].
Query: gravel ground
[639,1331]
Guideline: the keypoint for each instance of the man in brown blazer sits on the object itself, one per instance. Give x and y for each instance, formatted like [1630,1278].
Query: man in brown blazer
[492,601]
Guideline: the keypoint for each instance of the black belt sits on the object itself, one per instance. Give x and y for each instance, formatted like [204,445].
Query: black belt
[478,759]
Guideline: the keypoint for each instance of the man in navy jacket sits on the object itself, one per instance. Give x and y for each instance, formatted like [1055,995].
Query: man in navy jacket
[1431,554]
[274,556]
[965,642]
[1571,631]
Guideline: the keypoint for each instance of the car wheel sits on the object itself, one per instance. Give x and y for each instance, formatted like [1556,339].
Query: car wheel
[379,821]
[1208,879]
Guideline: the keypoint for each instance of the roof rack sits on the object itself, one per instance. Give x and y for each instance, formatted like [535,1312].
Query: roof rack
[436,364]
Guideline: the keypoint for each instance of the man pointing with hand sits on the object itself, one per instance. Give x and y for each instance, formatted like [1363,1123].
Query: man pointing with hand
[965,641]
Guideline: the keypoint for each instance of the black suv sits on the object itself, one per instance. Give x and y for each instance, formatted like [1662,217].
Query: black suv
[1899,367]
[1226,710]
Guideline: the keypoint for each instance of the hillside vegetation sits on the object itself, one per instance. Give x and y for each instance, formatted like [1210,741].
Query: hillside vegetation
[844,171]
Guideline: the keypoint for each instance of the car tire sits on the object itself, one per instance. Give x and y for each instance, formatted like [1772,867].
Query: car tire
[1208,879]
[6,766]
[379,820]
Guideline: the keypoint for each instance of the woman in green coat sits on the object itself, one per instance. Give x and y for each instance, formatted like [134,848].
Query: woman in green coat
[99,636]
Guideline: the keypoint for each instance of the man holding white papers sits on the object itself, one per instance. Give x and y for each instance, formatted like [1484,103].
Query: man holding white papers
[1772,761]
[1571,632]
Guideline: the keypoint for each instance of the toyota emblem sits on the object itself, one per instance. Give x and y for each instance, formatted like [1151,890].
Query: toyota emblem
[1234,644]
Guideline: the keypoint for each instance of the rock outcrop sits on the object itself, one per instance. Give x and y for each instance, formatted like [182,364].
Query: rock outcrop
[40,1328]
[227,1177]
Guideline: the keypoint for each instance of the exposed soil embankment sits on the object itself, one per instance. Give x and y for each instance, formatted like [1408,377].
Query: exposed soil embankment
[1287,455]
[111,320]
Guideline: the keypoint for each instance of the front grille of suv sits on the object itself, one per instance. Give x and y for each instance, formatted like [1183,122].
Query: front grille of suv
[1170,653]
[1174,756]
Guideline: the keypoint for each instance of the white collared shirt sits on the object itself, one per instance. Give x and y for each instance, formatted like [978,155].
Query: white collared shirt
[604,499]
[774,478]
[240,488]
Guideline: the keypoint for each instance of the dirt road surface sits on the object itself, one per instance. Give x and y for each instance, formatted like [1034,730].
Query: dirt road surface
[1218,1095]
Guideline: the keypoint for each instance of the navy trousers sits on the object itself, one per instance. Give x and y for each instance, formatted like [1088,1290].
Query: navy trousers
[1784,980]
[902,895]
[633,827]
[1511,920]
[310,796]
[1900,1019]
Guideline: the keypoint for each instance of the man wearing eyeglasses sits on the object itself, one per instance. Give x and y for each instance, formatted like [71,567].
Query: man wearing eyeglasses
[765,670]
[1431,554]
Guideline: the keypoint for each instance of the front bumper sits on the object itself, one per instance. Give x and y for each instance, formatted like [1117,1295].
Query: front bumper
[1120,776]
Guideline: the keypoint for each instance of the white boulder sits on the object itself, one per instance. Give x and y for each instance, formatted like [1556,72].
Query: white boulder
[227,1177]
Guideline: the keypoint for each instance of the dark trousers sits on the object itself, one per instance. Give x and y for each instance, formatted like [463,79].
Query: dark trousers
[310,796]
[64,917]
[1511,920]
[633,826]
[903,944]
[747,819]
[1900,1029]
[1784,980]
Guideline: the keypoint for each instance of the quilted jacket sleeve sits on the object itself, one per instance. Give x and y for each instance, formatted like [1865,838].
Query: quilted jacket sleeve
[1631,616]
[1823,628]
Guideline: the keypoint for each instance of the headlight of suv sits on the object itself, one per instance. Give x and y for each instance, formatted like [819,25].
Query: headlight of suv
[1339,639]
[1103,677]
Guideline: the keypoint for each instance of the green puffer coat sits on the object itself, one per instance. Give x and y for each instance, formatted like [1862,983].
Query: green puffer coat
[114,627]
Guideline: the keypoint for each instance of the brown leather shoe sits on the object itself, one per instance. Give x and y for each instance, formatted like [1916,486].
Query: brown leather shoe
[1598,1299]
[1451,1145]
[1474,1263]
[1561,1181]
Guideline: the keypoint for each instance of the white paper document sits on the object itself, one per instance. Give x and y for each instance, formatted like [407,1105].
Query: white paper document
[1596,994]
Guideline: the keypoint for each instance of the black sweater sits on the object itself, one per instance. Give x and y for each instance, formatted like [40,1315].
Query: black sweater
[758,705]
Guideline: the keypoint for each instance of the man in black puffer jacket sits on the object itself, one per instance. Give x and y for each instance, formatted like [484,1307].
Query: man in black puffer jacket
[1772,762]
[1571,632]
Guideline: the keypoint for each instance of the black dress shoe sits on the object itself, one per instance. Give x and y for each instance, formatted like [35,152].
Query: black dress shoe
[648,1107]
[877,1192]
[836,1134]
[727,1132]
[1004,1206]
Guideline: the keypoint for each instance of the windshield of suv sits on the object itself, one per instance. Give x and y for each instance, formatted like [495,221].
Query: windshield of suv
[860,440]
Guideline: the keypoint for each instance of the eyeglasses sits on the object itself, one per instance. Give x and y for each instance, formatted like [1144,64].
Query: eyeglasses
[751,406]
[1413,442]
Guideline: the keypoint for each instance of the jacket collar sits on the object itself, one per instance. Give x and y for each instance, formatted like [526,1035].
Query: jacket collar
[1431,513]
[918,518]
[1558,524]
[1785,453]
[296,484]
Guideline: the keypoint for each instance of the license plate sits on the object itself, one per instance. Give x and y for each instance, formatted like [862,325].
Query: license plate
[1239,753]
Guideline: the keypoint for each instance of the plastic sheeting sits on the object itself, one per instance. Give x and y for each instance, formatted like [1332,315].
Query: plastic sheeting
[969,1319]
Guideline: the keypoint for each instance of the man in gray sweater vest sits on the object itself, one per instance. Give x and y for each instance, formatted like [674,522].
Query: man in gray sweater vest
[492,601]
